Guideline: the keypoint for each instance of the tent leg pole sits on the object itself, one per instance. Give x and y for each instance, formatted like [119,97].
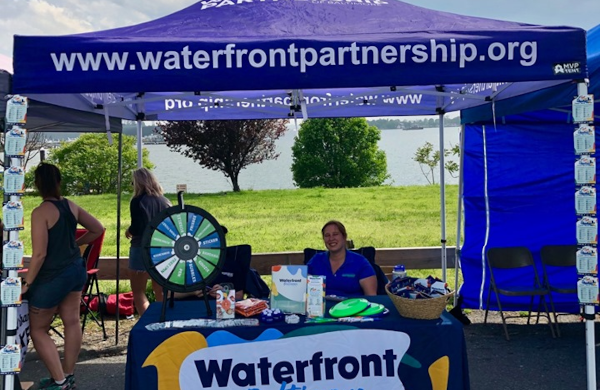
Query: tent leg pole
[119,189]
[139,143]
[590,349]
[443,198]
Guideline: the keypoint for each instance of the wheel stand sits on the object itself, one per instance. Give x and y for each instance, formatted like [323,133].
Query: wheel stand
[171,300]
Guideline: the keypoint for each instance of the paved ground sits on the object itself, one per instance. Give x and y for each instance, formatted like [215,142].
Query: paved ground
[531,360]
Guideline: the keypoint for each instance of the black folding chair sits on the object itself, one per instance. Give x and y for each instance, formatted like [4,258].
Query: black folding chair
[563,257]
[238,259]
[500,260]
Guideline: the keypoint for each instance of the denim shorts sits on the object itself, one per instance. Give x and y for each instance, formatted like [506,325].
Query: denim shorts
[136,259]
[46,294]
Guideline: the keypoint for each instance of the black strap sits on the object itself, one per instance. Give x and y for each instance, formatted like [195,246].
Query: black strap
[586,316]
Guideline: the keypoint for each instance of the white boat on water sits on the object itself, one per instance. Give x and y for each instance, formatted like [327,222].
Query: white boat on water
[153,140]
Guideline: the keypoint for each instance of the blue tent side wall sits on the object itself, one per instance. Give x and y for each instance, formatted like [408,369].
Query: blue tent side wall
[530,198]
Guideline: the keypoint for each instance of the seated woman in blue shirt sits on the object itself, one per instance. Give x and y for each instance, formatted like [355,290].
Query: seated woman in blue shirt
[347,274]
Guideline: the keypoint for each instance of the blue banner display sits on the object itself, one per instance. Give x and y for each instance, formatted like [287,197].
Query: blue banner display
[297,45]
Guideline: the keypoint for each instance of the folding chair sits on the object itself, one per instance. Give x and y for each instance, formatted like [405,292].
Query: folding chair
[369,253]
[563,258]
[309,253]
[91,257]
[237,262]
[505,259]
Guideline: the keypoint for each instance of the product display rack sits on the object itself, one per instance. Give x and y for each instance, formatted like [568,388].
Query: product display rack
[587,219]
[15,135]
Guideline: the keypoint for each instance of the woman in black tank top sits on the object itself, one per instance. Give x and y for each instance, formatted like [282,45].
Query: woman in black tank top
[56,274]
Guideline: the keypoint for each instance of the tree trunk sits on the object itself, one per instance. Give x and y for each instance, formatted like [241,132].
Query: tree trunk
[234,182]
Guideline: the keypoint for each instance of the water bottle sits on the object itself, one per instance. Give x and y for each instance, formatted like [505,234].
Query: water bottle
[399,272]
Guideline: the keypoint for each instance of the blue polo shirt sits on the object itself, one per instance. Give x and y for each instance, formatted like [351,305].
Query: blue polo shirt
[345,282]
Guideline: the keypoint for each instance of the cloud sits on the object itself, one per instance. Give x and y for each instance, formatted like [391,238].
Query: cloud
[62,17]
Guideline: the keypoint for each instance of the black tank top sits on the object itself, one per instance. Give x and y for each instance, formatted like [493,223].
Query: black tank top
[62,249]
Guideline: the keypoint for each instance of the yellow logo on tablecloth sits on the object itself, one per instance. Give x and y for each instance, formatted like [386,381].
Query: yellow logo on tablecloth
[170,354]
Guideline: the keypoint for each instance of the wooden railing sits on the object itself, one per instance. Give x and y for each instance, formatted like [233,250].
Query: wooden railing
[411,258]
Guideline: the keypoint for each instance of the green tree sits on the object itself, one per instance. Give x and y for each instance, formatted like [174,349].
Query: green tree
[338,152]
[225,146]
[452,166]
[428,160]
[90,165]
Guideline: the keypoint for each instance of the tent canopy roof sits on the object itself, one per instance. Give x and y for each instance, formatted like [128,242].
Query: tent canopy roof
[532,107]
[242,59]
[52,116]
[270,19]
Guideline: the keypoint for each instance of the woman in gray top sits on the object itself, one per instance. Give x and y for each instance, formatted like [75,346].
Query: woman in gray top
[147,202]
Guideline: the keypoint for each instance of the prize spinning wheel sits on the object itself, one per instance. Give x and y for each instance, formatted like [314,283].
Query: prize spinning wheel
[183,248]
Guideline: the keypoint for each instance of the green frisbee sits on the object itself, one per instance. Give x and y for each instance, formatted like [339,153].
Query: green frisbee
[349,307]
[372,310]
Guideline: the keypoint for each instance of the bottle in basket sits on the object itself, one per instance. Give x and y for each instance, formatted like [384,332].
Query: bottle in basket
[398,272]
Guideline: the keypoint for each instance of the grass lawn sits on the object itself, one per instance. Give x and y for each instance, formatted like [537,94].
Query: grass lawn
[291,220]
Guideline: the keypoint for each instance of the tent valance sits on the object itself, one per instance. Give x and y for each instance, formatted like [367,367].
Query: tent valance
[287,45]
[522,108]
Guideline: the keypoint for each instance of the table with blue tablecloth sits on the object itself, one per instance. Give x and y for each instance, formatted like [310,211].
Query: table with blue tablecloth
[390,353]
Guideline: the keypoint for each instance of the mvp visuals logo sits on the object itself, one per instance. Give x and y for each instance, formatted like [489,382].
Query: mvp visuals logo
[567,68]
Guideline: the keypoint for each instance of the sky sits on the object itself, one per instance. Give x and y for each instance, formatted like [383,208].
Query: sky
[61,17]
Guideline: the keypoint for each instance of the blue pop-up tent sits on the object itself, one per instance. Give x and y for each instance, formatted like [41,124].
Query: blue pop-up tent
[519,187]
[277,59]
[221,59]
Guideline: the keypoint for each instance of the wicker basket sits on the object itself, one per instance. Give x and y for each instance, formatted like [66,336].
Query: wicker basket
[420,309]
